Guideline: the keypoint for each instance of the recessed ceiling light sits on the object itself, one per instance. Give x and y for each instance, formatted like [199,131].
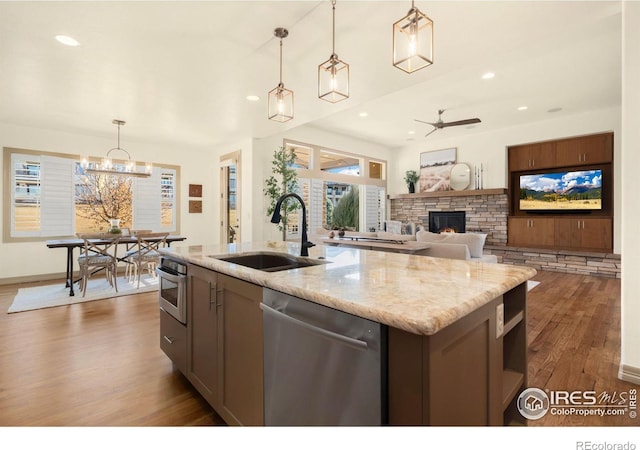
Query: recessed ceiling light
[67,40]
[488,76]
[522,108]
[253,98]
[552,110]
[363,114]
[412,132]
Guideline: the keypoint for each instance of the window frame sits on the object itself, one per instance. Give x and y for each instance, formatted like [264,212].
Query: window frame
[8,193]
[362,181]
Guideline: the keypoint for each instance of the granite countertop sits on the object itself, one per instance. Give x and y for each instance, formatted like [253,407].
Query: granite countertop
[418,294]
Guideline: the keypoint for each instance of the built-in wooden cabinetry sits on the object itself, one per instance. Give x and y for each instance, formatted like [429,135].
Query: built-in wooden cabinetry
[576,151]
[589,230]
[469,373]
[220,348]
[532,156]
[531,231]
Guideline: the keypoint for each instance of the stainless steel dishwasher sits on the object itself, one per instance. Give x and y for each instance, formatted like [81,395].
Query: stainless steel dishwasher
[321,366]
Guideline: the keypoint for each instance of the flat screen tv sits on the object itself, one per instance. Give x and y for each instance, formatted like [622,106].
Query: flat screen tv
[561,191]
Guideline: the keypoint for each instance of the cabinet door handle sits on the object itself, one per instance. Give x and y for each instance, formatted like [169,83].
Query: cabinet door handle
[170,340]
[214,301]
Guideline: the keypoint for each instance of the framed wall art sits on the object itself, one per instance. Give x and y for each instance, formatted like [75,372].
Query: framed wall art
[195,190]
[195,206]
[435,169]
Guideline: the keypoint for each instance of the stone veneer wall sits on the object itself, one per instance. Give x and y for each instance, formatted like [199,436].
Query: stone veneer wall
[606,265]
[486,213]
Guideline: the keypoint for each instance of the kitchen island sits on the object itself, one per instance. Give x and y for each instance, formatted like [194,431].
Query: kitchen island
[456,330]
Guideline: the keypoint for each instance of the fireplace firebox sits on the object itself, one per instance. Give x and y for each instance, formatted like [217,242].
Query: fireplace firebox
[447,221]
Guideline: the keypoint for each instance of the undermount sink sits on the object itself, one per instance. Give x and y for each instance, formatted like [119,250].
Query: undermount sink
[270,262]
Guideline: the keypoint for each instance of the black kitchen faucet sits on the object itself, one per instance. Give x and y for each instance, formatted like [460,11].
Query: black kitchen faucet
[304,247]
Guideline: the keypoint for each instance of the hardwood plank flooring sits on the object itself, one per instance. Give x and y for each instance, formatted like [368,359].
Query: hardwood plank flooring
[99,363]
[92,364]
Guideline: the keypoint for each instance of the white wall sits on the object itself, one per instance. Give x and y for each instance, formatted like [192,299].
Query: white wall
[263,154]
[490,150]
[630,355]
[34,258]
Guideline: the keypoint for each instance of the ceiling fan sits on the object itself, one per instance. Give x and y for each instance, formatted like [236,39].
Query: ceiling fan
[440,124]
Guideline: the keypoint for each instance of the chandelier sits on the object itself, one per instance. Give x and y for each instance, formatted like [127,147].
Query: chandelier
[413,41]
[108,167]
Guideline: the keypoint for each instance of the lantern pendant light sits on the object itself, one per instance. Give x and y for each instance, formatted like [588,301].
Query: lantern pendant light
[413,41]
[280,99]
[333,74]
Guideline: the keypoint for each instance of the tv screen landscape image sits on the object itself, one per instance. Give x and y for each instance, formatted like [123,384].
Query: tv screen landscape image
[561,191]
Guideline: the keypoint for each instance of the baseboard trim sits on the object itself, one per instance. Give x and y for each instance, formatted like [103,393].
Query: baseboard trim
[33,278]
[44,277]
[629,373]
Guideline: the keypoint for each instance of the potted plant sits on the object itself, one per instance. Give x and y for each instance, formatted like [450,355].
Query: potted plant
[411,177]
[284,179]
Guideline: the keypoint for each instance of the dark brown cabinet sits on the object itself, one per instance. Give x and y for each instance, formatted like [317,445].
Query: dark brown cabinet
[586,234]
[594,149]
[576,151]
[531,232]
[563,233]
[532,156]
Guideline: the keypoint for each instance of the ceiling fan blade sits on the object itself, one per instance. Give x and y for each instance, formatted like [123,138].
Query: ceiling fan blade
[461,122]
[428,123]
[432,131]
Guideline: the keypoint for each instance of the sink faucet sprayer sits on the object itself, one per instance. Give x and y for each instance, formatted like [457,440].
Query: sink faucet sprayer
[304,250]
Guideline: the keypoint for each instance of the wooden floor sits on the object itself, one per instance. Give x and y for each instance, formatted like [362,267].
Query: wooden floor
[99,363]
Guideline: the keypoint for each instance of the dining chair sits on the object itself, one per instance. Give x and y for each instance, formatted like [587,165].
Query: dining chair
[144,255]
[98,253]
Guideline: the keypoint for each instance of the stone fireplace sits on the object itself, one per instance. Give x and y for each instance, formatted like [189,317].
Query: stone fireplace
[485,211]
[447,221]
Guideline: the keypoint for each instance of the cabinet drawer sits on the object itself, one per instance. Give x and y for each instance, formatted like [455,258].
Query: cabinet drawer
[173,340]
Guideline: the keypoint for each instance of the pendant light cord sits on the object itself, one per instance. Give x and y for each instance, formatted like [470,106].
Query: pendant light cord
[280,61]
[333,49]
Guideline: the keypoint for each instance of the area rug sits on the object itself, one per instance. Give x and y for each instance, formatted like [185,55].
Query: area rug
[531,284]
[51,295]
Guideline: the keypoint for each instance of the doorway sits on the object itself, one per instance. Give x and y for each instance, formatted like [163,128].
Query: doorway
[230,198]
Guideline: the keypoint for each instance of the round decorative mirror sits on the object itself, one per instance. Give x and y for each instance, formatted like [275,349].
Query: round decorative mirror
[460,177]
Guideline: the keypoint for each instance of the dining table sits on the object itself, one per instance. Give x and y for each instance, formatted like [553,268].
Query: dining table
[72,243]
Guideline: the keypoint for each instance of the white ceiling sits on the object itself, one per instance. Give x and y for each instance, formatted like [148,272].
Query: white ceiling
[179,72]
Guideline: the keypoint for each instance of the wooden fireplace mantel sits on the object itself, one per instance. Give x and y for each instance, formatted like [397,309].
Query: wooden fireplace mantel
[467,193]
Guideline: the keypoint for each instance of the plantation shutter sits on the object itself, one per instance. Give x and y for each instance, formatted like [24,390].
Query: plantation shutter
[58,196]
[374,207]
[168,200]
[42,196]
[147,199]
[25,195]
[316,205]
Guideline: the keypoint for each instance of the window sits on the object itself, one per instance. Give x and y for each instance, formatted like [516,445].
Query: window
[51,195]
[337,191]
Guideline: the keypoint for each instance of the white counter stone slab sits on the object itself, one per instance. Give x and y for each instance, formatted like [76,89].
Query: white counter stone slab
[418,294]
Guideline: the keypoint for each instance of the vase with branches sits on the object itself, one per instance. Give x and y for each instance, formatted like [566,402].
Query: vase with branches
[105,198]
